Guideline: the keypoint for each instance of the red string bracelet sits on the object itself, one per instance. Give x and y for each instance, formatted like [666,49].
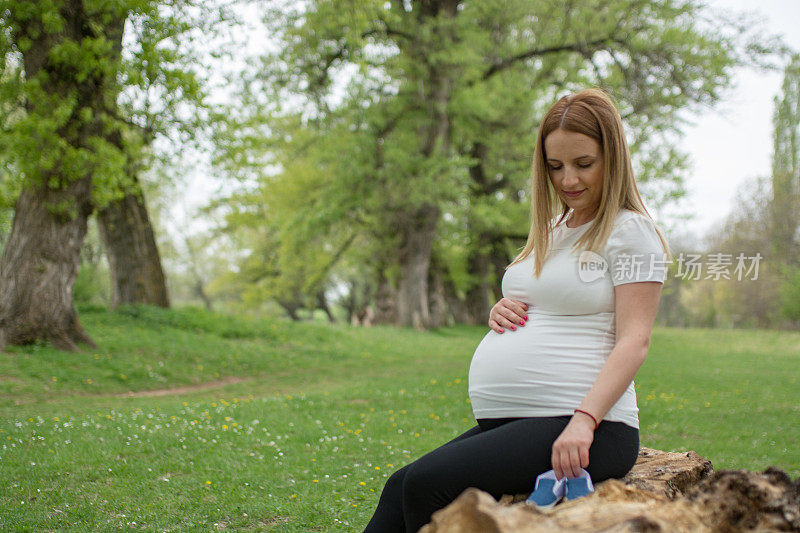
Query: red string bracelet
[590,415]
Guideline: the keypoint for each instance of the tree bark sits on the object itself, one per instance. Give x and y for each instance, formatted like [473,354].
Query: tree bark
[39,266]
[477,304]
[437,300]
[135,264]
[322,303]
[417,234]
[499,260]
[291,309]
[454,303]
[348,302]
[385,301]
[201,293]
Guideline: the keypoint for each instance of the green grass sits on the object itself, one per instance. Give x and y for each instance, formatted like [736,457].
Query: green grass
[325,414]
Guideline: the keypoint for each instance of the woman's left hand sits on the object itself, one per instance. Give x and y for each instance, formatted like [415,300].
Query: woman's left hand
[571,448]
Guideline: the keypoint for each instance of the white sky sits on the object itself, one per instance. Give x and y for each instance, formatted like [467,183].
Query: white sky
[733,142]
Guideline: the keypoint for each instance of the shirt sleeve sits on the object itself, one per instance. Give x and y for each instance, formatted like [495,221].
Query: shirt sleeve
[634,252]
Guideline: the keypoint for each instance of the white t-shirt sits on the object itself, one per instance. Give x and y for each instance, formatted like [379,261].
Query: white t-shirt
[547,366]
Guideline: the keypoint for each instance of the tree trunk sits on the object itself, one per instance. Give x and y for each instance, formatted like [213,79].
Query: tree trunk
[135,264]
[417,225]
[201,293]
[322,303]
[417,233]
[664,492]
[499,260]
[385,301]
[291,309]
[784,218]
[481,262]
[437,300]
[39,266]
[455,303]
[477,304]
[40,261]
[351,302]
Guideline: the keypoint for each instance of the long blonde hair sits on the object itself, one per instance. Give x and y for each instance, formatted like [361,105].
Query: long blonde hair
[590,112]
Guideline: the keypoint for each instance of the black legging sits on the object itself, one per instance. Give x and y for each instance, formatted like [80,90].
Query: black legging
[499,456]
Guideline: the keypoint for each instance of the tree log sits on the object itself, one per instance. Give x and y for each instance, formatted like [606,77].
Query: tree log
[675,492]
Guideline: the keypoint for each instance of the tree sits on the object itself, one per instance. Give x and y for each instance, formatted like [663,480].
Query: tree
[766,221]
[64,76]
[68,94]
[785,201]
[435,105]
[135,263]
[171,107]
[747,302]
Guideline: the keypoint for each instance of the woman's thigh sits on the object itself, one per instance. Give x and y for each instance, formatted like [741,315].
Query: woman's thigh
[507,459]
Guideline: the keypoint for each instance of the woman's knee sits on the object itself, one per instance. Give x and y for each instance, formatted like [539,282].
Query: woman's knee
[430,483]
[395,481]
[413,482]
[614,453]
[388,515]
[394,485]
[419,482]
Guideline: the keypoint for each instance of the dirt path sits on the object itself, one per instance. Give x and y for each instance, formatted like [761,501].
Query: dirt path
[182,390]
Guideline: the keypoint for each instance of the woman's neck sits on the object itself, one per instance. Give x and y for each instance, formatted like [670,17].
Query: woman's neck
[578,219]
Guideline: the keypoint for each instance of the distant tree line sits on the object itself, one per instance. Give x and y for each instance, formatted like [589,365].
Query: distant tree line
[382,151]
[765,221]
[385,146]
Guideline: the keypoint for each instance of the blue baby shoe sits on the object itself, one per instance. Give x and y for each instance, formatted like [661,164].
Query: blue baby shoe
[547,491]
[579,487]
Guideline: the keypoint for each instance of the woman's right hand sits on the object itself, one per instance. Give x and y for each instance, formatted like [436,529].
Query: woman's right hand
[508,313]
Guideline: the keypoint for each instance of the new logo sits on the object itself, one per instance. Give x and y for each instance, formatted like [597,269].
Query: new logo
[591,266]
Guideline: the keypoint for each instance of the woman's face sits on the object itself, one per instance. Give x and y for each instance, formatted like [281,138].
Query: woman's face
[575,165]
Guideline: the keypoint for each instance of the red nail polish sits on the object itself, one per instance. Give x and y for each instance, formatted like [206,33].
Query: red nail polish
[513,327]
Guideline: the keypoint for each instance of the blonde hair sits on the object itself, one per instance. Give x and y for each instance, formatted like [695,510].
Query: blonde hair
[590,112]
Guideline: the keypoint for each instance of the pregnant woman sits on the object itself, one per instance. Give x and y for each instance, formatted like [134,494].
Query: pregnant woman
[551,385]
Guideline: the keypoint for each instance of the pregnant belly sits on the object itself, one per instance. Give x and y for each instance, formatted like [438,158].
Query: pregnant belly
[551,355]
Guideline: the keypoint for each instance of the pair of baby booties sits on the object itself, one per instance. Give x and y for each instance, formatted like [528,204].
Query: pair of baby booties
[549,490]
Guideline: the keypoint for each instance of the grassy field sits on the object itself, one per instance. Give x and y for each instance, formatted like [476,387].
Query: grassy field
[295,427]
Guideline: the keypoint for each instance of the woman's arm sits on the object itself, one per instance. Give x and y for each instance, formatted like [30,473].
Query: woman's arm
[636,306]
